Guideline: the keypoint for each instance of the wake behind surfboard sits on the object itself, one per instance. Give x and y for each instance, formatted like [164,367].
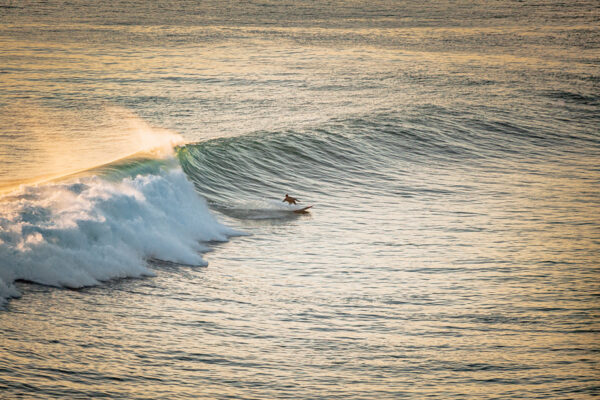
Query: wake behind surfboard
[265,209]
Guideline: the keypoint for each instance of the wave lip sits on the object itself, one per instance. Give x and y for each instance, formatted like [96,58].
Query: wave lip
[89,230]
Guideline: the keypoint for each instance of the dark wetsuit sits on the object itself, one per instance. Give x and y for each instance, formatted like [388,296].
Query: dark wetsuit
[290,200]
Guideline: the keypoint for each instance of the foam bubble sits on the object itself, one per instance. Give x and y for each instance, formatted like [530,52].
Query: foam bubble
[90,230]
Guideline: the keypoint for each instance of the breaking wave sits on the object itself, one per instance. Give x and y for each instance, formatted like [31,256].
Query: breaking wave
[96,228]
[105,223]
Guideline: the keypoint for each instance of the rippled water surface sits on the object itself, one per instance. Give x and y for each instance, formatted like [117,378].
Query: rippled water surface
[450,152]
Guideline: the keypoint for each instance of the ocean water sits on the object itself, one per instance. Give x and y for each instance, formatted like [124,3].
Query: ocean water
[450,152]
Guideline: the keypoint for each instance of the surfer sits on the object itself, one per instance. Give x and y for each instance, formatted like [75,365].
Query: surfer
[291,200]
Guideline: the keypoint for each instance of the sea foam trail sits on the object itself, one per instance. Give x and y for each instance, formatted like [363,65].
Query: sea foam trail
[90,230]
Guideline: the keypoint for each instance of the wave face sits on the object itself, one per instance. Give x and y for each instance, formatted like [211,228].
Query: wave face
[227,170]
[385,154]
[106,223]
[97,228]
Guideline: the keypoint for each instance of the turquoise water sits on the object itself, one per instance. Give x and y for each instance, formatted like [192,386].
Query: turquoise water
[450,152]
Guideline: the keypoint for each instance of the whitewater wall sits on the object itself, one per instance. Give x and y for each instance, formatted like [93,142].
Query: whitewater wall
[91,229]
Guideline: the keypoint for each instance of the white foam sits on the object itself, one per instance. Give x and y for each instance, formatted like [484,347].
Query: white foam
[83,232]
[267,205]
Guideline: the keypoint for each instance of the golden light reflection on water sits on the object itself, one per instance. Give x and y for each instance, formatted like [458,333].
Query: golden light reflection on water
[41,143]
[449,294]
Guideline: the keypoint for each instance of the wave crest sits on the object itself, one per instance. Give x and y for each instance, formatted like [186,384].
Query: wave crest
[90,230]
